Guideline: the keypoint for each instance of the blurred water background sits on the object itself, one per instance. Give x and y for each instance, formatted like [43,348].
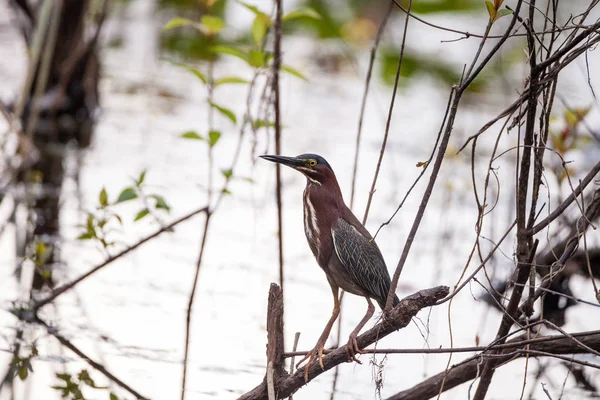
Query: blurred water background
[131,315]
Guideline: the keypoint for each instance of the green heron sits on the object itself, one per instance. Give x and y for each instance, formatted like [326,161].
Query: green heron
[343,247]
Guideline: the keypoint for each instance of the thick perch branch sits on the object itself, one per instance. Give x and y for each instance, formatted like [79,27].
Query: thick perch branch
[398,318]
[468,369]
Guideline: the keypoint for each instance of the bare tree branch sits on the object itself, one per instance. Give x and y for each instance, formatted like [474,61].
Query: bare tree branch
[398,318]
[468,369]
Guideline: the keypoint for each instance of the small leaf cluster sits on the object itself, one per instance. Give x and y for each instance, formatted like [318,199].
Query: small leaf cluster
[494,10]
[153,203]
[22,365]
[71,387]
[256,57]
[40,254]
[98,227]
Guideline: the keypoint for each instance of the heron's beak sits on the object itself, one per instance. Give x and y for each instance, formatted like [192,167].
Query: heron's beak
[291,162]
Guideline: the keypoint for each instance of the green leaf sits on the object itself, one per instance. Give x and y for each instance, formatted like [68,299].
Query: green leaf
[90,221]
[193,70]
[230,79]
[86,236]
[305,12]
[141,214]
[213,138]
[232,51]
[160,202]
[178,22]
[40,250]
[103,198]
[259,30]
[140,180]
[118,218]
[113,396]
[261,123]
[227,173]
[212,23]
[226,191]
[293,71]
[225,111]
[256,58]
[22,372]
[127,194]
[502,13]
[191,135]
[491,10]
[255,10]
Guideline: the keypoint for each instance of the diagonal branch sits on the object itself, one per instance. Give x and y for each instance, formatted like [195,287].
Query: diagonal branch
[398,318]
[68,286]
[97,366]
[469,368]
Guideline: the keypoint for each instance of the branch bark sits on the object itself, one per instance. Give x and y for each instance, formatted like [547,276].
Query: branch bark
[468,369]
[398,318]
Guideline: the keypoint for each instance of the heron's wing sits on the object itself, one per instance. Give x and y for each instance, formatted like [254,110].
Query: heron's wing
[361,258]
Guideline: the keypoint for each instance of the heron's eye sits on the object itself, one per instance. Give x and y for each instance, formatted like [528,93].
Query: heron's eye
[312,163]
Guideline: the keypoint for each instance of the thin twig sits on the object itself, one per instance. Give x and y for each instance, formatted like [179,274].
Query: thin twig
[389,118]
[293,360]
[277,107]
[440,157]
[471,349]
[62,289]
[98,367]
[364,97]
[190,305]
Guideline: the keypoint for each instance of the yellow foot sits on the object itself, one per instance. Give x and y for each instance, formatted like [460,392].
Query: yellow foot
[317,352]
[352,349]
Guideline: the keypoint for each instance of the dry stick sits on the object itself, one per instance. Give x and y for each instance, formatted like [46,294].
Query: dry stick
[440,157]
[469,368]
[566,296]
[293,360]
[277,106]
[389,118]
[209,213]
[559,53]
[423,169]
[188,316]
[398,318]
[575,340]
[98,367]
[571,246]
[471,349]
[474,35]
[567,202]
[62,289]
[525,250]
[364,97]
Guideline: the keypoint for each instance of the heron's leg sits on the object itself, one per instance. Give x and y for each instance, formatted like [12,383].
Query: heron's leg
[352,346]
[318,349]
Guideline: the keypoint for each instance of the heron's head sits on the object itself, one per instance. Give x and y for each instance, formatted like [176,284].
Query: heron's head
[314,167]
